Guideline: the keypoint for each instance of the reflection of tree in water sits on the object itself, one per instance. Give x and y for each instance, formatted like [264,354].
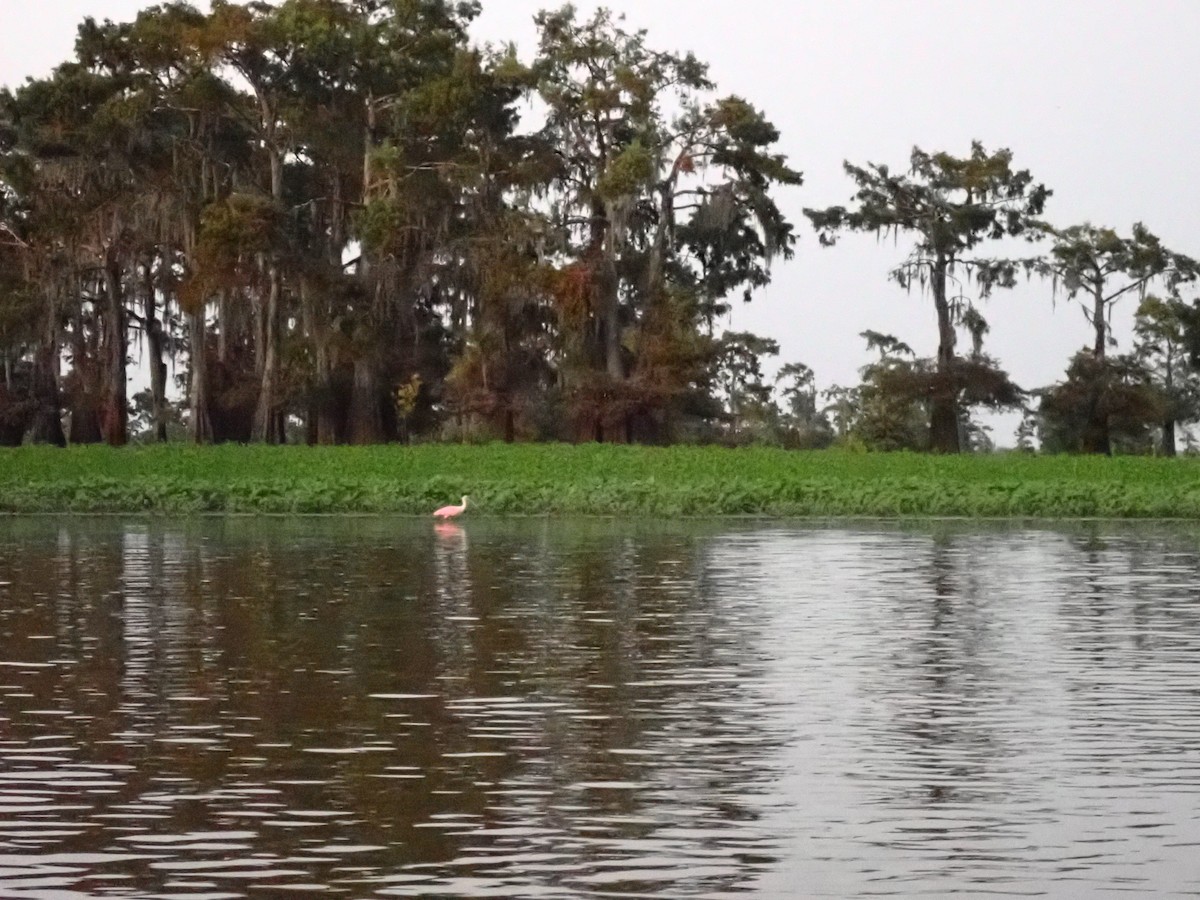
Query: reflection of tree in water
[939,738]
[1133,608]
[1107,610]
[121,677]
[534,689]
[1016,667]
[121,618]
[603,672]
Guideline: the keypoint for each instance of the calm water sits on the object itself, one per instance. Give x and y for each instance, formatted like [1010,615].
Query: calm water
[361,708]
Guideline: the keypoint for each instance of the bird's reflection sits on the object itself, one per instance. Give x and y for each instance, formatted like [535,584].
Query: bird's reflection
[449,532]
[450,550]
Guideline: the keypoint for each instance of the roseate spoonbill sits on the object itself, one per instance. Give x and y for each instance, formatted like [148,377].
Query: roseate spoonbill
[449,512]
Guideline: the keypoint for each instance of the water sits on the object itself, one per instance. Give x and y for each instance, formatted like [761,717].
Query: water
[375,708]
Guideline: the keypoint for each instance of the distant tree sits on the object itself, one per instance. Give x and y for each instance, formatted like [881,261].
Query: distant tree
[887,345]
[1027,431]
[799,390]
[19,319]
[1110,402]
[892,412]
[977,326]
[950,206]
[844,406]
[1099,267]
[662,201]
[805,425]
[898,390]
[1161,328]
[150,422]
[740,375]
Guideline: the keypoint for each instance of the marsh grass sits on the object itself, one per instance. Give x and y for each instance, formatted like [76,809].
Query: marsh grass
[591,480]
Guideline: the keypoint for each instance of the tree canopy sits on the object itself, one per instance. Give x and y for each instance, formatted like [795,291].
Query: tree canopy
[342,221]
[950,206]
[321,205]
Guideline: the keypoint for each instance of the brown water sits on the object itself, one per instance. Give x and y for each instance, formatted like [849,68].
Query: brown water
[361,708]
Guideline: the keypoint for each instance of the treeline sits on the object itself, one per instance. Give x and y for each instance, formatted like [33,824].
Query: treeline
[339,221]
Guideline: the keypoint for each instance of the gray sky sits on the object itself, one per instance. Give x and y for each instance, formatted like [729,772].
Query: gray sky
[1097,98]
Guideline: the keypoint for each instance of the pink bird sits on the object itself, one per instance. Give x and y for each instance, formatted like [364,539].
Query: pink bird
[449,512]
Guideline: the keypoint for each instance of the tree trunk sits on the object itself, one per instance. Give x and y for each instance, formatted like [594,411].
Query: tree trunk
[156,343]
[603,252]
[1096,437]
[86,377]
[1168,438]
[943,407]
[1100,345]
[310,423]
[200,425]
[322,413]
[658,250]
[328,429]
[114,406]
[611,323]
[268,428]
[47,418]
[86,427]
[366,417]
[266,413]
[368,146]
[223,326]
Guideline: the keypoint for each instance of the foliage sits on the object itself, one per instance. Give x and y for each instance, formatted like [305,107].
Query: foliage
[740,375]
[661,199]
[889,410]
[1103,405]
[803,424]
[351,225]
[891,401]
[314,203]
[1099,267]
[1162,329]
[950,206]
[590,480]
[143,421]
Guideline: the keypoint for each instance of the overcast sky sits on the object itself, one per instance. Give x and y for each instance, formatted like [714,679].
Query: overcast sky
[1097,98]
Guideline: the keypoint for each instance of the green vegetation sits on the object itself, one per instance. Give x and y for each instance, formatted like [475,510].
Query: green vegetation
[592,480]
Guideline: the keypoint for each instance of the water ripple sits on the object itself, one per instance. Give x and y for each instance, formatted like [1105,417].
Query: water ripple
[368,708]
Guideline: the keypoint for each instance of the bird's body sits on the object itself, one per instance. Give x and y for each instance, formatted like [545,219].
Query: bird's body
[449,512]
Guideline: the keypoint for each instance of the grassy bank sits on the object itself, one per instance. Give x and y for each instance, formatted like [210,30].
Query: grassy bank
[590,480]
